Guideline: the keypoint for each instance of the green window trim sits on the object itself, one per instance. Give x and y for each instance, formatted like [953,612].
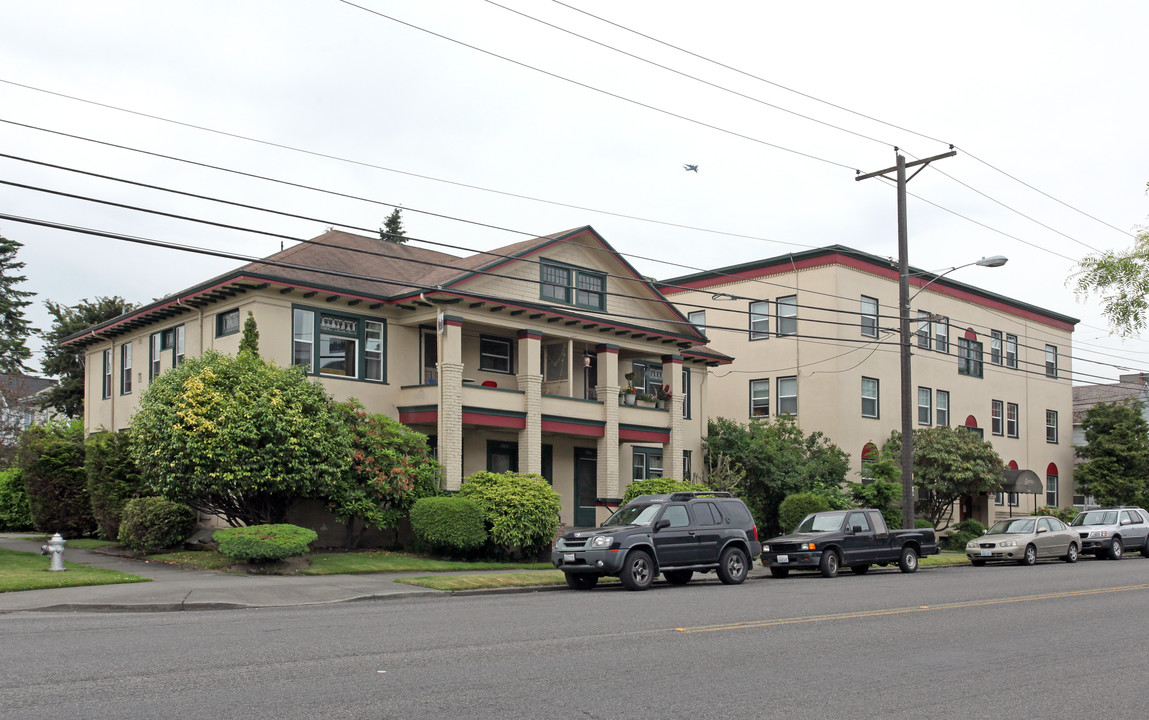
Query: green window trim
[227,323]
[339,345]
[568,284]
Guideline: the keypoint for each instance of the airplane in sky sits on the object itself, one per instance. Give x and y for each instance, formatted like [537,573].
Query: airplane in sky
[691,168]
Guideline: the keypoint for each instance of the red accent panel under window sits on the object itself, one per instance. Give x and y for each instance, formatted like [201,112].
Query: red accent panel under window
[658,436]
[573,428]
[419,418]
[494,420]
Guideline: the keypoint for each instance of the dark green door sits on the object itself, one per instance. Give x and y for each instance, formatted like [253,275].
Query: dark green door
[585,486]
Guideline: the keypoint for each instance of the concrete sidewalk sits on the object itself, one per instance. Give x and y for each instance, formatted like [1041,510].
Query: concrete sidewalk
[176,588]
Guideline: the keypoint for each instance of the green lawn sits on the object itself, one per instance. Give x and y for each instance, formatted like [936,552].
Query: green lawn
[29,571]
[946,557]
[350,563]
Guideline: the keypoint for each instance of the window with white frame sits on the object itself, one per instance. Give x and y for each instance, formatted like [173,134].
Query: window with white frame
[1050,361]
[373,350]
[179,346]
[495,354]
[869,397]
[788,395]
[686,393]
[1014,499]
[1011,420]
[155,352]
[943,407]
[942,335]
[303,338]
[759,320]
[687,470]
[106,384]
[1051,426]
[760,398]
[646,463]
[350,347]
[126,368]
[1011,351]
[698,320]
[996,341]
[1051,495]
[922,331]
[997,417]
[786,309]
[925,406]
[869,316]
[647,377]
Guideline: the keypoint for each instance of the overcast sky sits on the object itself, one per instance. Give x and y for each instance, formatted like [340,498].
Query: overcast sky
[533,130]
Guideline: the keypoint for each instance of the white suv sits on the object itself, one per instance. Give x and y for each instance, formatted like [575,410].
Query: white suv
[1109,532]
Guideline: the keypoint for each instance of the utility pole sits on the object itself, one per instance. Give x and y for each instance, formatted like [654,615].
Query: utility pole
[904,323]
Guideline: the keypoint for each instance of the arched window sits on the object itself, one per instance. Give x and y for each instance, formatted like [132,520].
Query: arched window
[1052,496]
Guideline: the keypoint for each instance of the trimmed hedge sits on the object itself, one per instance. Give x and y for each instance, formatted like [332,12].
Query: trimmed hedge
[15,516]
[521,510]
[797,506]
[112,479]
[659,486]
[264,543]
[449,525]
[150,524]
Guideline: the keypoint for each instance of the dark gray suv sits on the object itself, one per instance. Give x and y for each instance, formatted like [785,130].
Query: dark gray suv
[1110,531]
[676,535]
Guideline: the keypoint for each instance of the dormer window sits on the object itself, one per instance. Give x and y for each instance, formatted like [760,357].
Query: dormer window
[572,285]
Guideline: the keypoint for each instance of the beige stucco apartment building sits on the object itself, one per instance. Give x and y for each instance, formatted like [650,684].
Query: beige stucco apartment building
[815,334]
[511,359]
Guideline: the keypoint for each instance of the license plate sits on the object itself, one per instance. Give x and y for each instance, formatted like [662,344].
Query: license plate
[783,558]
[568,557]
[987,553]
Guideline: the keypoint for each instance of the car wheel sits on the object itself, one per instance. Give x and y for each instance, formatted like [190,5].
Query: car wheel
[859,569]
[732,566]
[678,577]
[1116,549]
[1030,556]
[908,562]
[1145,548]
[977,563]
[637,570]
[829,564]
[1071,555]
[580,581]
[779,572]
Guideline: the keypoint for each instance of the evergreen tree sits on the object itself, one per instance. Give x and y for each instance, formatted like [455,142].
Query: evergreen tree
[14,327]
[392,230]
[250,340]
[67,363]
[1116,454]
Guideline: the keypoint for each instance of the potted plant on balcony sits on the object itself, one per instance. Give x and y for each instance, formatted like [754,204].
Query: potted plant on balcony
[662,398]
[644,400]
[628,395]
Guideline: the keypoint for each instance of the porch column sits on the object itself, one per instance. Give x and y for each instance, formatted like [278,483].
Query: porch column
[672,451]
[607,389]
[530,380]
[451,400]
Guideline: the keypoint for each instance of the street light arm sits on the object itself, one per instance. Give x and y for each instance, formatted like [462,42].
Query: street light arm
[992,261]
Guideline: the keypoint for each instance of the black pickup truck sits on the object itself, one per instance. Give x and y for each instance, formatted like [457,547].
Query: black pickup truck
[826,541]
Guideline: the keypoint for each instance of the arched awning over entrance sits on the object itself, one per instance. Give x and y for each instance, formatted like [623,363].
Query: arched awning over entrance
[1021,481]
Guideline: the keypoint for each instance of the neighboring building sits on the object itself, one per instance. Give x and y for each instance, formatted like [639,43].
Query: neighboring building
[1132,387]
[815,334]
[511,359]
[20,400]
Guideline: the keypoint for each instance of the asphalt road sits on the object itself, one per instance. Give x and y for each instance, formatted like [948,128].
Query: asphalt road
[1054,640]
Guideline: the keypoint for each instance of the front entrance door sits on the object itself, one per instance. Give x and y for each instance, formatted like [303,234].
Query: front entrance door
[585,486]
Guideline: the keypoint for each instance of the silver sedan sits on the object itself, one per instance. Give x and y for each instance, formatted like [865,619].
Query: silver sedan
[1024,540]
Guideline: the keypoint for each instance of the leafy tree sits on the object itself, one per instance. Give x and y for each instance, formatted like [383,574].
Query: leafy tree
[1121,279]
[52,465]
[392,230]
[67,363]
[1116,454]
[884,490]
[949,463]
[14,327]
[250,341]
[239,437]
[112,479]
[776,459]
[391,468]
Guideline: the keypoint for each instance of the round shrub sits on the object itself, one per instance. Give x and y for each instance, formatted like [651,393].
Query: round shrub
[264,543]
[957,540]
[659,486]
[449,525]
[923,524]
[14,513]
[799,505]
[150,524]
[970,526]
[521,511]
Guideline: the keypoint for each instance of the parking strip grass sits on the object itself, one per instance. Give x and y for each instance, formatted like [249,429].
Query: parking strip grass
[29,571]
[349,563]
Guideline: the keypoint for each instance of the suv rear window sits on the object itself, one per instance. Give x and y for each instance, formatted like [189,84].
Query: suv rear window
[738,513]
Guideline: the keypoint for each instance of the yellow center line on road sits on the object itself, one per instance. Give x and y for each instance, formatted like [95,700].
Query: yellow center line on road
[900,611]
